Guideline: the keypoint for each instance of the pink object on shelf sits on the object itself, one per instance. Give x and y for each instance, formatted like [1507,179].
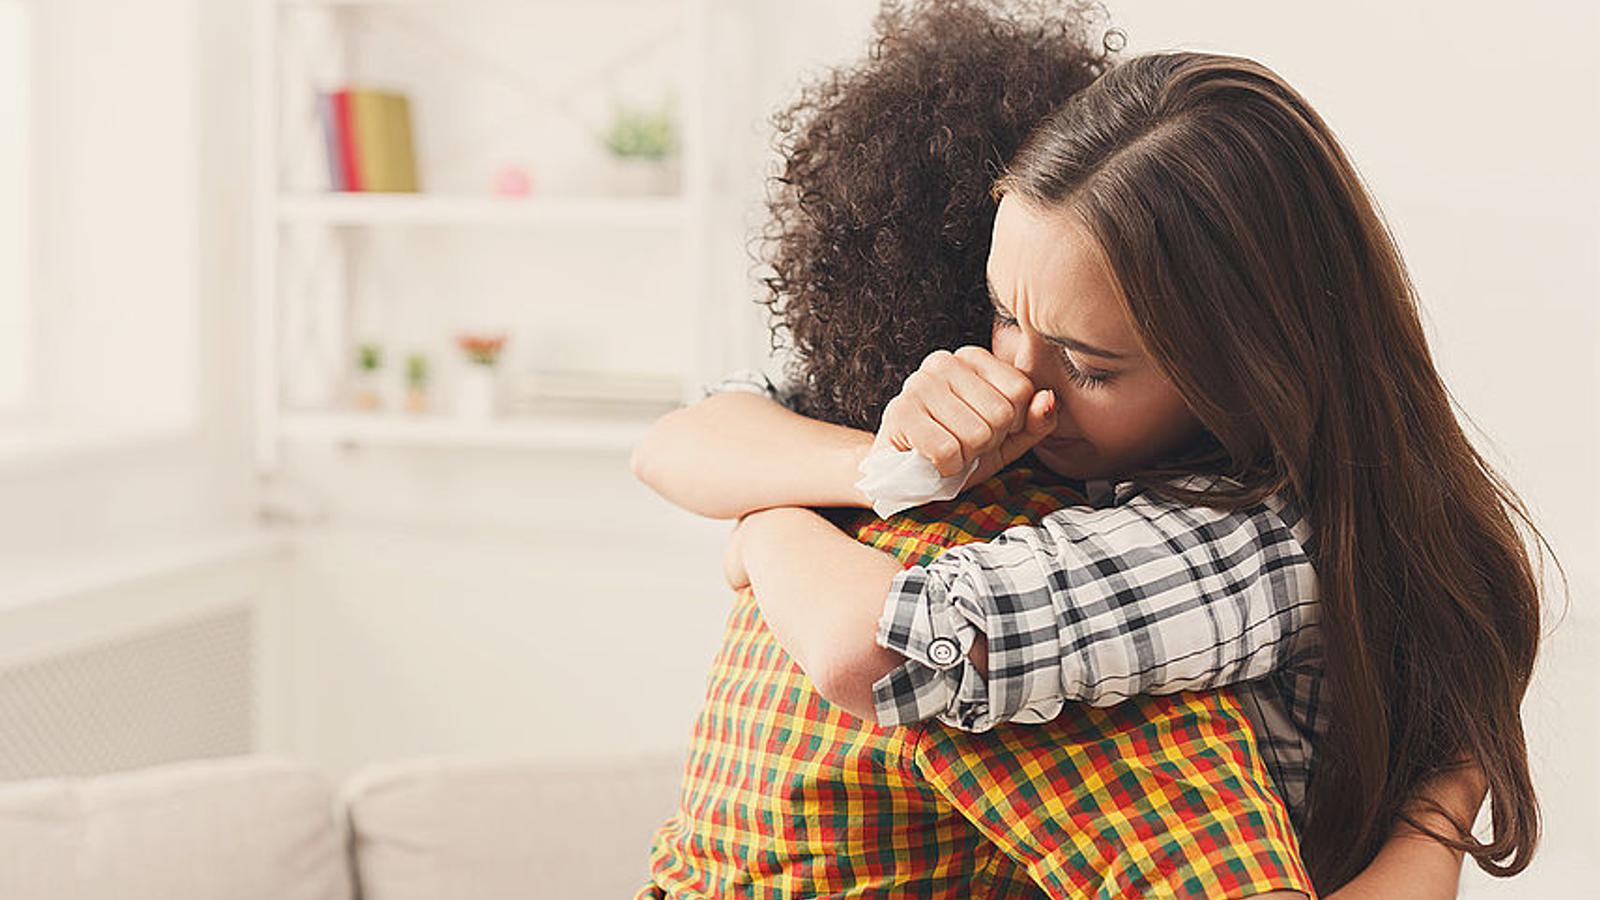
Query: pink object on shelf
[513,181]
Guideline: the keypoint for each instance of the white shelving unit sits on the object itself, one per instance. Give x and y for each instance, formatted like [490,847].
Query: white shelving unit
[396,429]
[303,229]
[421,209]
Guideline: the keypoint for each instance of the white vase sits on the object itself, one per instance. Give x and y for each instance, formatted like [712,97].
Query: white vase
[366,390]
[475,393]
[633,176]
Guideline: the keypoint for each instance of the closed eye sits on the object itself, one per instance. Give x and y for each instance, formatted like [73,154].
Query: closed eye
[1082,378]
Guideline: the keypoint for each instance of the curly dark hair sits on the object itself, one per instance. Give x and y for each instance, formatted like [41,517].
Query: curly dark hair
[881,217]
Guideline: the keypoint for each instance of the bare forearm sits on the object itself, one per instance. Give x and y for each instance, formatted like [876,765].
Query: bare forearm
[821,592]
[734,453]
[1413,865]
[1409,865]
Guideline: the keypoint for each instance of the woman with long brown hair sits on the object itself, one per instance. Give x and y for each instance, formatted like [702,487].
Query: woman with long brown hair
[1196,302]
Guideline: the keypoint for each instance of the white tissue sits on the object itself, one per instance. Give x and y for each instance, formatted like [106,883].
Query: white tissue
[900,479]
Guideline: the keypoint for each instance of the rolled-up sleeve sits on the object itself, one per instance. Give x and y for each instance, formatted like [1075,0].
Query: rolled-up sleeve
[1147,596]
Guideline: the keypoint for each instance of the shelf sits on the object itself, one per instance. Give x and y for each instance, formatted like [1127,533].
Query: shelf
[320,283]
[425,3]
[569,431]
[431,209]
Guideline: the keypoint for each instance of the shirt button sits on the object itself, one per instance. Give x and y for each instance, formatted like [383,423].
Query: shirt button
[944,652]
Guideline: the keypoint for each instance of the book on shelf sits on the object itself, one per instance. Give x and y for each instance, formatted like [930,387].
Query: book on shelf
[368,141]
[617,393]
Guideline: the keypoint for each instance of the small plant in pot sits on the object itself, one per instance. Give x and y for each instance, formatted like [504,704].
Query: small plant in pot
[475,395]
[643,142]
[368,392]
[417,383]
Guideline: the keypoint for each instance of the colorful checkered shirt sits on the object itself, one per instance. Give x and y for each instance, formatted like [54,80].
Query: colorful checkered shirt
[787,796]
[1128,594]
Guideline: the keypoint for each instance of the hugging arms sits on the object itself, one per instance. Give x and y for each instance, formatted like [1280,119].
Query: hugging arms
[744,454]
[1011,811]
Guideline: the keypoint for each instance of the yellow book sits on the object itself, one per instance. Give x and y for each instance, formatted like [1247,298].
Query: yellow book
[403,154]
[385,157]
[367,115]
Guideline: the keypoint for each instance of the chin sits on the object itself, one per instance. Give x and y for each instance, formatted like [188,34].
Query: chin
[1072,460]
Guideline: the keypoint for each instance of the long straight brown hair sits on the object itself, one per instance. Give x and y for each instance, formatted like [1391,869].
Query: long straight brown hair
[1264,283]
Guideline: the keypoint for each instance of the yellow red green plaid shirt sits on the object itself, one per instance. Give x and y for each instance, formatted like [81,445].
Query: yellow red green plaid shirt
[786,796]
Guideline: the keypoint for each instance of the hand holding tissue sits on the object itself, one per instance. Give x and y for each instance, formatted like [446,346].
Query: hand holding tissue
[964,406]
[896,480]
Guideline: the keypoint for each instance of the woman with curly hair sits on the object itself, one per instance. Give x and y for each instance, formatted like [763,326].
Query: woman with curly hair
[788,795]
[1183,281]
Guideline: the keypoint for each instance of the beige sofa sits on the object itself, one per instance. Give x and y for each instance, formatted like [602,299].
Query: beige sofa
[270,828]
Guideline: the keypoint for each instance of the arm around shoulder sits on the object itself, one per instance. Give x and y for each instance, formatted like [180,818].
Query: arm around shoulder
[1097,605]
[737,452]
[825,628]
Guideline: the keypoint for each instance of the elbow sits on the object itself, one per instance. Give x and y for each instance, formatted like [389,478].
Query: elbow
[846,691]
[647,461]
[846,674]
[639,461]
[646,466]
[669,461]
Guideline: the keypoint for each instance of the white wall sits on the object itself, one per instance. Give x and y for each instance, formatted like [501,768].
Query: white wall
[193,478]
[16,316]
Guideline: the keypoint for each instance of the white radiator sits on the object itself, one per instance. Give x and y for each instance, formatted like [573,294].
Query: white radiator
[181,692]
[161,654]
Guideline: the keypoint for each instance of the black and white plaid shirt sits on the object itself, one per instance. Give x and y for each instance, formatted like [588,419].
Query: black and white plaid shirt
[1131,594]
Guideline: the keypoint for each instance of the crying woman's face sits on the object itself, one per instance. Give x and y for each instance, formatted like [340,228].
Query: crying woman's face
[1061,319]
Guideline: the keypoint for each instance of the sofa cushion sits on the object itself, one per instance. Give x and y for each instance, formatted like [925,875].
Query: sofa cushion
[502,829]
[233,828]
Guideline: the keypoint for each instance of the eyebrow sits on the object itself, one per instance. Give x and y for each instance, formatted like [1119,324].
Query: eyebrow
[1069,343]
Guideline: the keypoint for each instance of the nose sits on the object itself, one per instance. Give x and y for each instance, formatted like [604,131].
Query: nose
[1031,356]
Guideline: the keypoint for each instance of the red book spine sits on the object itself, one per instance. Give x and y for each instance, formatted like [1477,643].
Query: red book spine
[344,115]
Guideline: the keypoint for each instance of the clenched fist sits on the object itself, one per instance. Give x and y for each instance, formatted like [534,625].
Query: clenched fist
[966,405]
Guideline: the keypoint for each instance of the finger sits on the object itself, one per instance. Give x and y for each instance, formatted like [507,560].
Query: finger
[1042,414]
[1041,422]
[733,567]
[926,395]
[890,427]
[733,571]
[974,434]
[1013,383]
[1000,412]
[930,439]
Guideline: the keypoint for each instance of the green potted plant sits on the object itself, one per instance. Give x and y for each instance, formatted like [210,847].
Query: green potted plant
[417,383]
[369,366]
[643,146]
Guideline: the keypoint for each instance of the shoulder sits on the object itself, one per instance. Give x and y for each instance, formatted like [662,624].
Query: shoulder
[753,381]
[1275,520]
[1280,503]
